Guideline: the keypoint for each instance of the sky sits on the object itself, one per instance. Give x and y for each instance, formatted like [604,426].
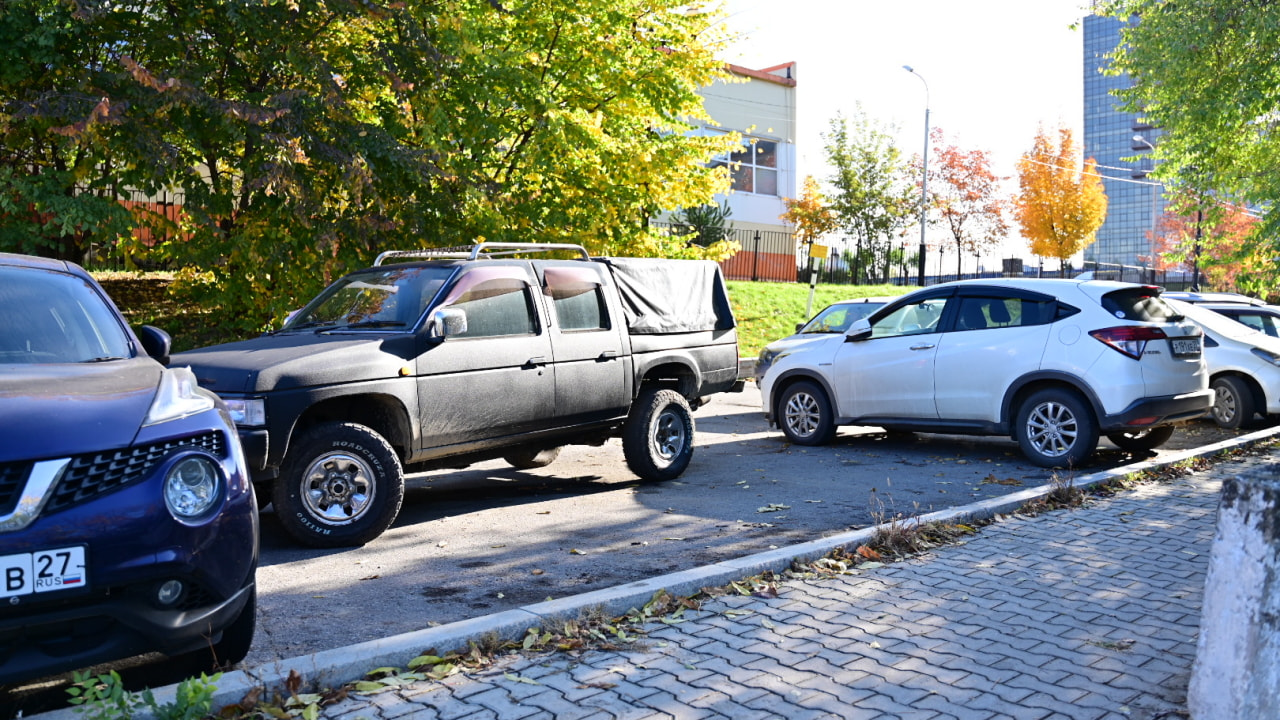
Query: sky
[996,70]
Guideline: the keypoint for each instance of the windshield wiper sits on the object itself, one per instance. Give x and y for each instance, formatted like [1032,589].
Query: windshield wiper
[375,324]
[104,358]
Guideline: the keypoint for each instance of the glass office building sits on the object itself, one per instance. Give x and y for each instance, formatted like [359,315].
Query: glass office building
[1119,142]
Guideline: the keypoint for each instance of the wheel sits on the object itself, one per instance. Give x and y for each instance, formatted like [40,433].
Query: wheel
[341,485]
[528,458]
[1055,428]
[1142,440]
[804,415]
[657,439]
[1232,402]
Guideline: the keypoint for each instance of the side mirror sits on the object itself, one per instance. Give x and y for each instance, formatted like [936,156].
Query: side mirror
[800,325]
[156,343]
[859,330]
[447,322]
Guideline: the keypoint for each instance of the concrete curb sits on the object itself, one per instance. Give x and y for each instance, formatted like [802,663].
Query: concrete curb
[336,667]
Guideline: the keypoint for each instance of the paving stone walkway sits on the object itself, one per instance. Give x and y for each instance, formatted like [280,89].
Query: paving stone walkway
[1086,613]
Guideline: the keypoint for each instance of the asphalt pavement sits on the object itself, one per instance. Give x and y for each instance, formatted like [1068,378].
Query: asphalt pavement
[1084,613]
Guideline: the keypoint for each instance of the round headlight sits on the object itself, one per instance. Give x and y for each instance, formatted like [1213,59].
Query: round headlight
[193,485]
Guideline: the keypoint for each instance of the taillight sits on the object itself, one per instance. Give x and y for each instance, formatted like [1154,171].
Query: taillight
[1129,340]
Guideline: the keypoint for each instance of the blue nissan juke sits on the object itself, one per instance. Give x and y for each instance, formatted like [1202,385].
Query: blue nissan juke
[127,521]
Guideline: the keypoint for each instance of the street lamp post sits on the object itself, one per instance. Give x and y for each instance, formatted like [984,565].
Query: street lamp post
[1151,243]
[924,170]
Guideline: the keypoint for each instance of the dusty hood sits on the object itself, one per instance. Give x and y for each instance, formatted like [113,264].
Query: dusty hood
[296,360]
[50,411]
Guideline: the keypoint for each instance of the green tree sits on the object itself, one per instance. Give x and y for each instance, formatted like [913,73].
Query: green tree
[1060,203]
[1204,72]
[307,135]
[874,194]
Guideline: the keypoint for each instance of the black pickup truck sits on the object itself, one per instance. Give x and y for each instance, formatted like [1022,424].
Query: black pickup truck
[441,358]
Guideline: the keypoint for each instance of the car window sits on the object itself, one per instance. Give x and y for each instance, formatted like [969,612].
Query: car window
[390,297]
[1142,303]
[50,317]
[914,319]
[498,307]
[1262,323]
[577,299]
[837,318]
[980,313]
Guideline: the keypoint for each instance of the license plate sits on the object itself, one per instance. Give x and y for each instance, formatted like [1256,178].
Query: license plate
[1186,346]
[43,571]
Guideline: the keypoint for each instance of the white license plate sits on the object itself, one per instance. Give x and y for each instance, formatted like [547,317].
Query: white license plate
[43,571]
[1186,346]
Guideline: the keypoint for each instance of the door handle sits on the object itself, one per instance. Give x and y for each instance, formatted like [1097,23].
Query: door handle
[535,361]
[607,355]
[923,346]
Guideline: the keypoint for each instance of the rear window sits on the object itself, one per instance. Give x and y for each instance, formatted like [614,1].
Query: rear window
[1142,304]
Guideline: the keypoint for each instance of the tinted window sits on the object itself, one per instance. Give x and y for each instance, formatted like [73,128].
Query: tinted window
[978,313]
[838,318]
[1139,303]
[49,317]
[497,307]
[579,308]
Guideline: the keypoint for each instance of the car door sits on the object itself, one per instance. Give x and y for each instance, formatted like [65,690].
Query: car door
[494,378]
[592,369]
[890,374]
[998,335]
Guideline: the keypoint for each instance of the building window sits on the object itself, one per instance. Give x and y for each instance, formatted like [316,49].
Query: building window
[754,168]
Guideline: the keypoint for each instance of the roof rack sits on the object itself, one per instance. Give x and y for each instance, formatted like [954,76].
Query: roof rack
[480,250]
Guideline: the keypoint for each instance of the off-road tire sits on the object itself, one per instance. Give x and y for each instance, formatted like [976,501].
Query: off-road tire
[341,485]
[530,458]
[1142,440]
[1055,427]
[657,439]
[805,416]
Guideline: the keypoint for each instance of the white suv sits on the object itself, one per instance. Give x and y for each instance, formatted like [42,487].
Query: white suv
[1052,363]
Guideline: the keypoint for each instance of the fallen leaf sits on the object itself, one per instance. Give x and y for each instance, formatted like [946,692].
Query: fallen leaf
[768,624]
[537,571]
[874,645]
[813,501]
[518,678]
[868,553]
[371,577]
[576,551]
[544,512]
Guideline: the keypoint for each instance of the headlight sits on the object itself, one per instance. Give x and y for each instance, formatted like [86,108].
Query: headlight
[249,412]
[1267,355]
[177,396]
[192,486]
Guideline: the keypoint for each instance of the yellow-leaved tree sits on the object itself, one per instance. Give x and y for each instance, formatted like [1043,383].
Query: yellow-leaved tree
[810,214]
[1061,202]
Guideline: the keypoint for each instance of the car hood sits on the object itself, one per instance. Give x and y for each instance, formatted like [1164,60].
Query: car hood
[297,360]
[791,342]
[50,411]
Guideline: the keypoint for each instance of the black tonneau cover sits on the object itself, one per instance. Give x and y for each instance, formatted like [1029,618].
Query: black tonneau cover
[671,296]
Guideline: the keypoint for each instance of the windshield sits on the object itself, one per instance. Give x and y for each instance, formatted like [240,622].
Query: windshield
[837,318]
[392,297]
[52,317]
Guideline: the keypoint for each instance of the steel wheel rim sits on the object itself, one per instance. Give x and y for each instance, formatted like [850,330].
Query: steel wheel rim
[337,488]
[1224,405]
[1052,429]
[803,414]
[668,435]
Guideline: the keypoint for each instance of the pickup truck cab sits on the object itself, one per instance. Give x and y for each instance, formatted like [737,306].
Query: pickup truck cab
[441,358]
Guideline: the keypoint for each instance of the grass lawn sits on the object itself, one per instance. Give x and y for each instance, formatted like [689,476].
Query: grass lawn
[768,311]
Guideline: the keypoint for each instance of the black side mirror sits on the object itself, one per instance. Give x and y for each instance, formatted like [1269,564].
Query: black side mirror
[156,343]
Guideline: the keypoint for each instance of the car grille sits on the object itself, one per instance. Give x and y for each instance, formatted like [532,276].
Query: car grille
[12,477]
[88,476]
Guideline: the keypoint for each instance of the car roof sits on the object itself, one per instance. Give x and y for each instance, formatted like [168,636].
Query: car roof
[1197,298]
[1242,307]
[41,263]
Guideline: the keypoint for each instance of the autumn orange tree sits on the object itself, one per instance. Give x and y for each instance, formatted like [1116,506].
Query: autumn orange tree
[810,213]
[1061,202]
[967,197]
[1214,242]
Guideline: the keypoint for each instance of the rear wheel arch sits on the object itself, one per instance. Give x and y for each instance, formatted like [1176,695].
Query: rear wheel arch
[1027,386]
